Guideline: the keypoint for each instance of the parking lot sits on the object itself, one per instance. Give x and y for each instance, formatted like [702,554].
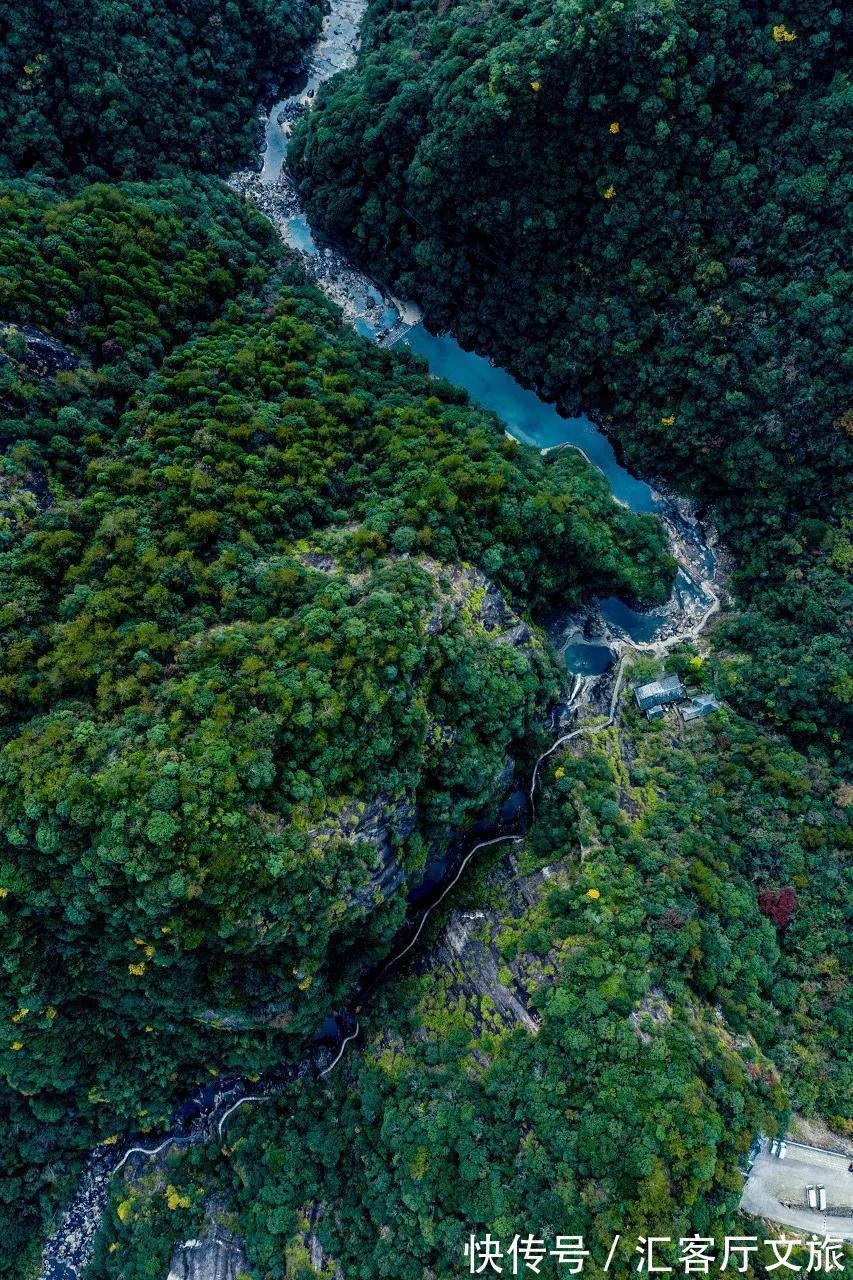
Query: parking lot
[776,1189]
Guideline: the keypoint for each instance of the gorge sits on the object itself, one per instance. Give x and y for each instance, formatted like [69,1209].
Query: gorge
[533,422]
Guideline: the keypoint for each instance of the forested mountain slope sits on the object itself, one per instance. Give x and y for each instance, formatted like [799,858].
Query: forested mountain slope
[140,87]
[268,622]
[640,208]
[588,1046]
[252,669]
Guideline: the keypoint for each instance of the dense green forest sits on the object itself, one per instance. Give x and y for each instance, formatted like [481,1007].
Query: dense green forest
[139,88]
[269,607]
[642,209]
[234,539]
[667,1001]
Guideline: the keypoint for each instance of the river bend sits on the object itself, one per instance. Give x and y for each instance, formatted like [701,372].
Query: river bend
[618,630]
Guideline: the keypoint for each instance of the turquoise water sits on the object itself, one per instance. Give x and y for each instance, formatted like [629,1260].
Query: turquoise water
[537,423]
[641,627]
[299,235]
[527,417]
[588,659]
[276,143]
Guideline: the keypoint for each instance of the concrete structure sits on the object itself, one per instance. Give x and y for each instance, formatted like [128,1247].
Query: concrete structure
[701,704]
[778,1189]
[652,697]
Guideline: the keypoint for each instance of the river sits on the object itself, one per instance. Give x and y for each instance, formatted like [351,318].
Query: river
[378,315]
[589,644]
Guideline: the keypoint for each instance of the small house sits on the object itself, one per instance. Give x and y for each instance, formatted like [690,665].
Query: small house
[653,697]
[701,704]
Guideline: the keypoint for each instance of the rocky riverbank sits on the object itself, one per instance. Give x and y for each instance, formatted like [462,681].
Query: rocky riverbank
[462,592]
[377,315]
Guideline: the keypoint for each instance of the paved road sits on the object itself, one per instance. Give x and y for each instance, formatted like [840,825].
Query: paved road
[773,1184]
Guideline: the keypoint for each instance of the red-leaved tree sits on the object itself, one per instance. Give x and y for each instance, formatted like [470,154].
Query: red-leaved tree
[778,905]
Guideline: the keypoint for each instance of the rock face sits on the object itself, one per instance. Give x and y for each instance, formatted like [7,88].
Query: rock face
[220,1256]
[464,588]
[497,990]
[40,355]
[385,824]
[317,1256]
[477,969]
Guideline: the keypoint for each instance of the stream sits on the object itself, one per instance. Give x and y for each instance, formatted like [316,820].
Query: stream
[591,644]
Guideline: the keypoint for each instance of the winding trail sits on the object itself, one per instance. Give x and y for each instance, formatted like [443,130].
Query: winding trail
[340,1052]
[627,647]
[152,1151]
[258,1097]
[69,1248]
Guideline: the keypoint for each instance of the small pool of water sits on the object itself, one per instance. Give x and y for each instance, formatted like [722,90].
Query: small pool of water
[433,876]
[276,143]
[299,234]
[513,807]
[621,618]
[584,659]
[328,1030]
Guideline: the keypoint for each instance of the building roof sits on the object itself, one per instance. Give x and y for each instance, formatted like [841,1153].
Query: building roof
[702,704]
[658,691]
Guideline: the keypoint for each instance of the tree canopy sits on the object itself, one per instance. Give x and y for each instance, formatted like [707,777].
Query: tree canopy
[138,88]
[250,652]
[641,209]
